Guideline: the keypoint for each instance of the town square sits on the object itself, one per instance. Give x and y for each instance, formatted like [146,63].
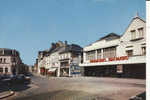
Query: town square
[75,50]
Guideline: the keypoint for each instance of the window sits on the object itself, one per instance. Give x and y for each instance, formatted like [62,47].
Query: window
[1,52]
[109,52]
[64,64]
[143,50]
[141,32]
[4,60]
[65,55]
[1,70]
[129,53]
[6,70]
[13,60]
[133,34]
[99,54]
[90,55]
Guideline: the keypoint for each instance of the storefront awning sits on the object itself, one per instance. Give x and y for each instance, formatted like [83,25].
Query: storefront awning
[52,70]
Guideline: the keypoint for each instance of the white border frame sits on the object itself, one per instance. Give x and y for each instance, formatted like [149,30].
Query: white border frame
[147,49]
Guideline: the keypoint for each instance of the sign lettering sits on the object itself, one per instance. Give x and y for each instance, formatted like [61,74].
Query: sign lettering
[109,59]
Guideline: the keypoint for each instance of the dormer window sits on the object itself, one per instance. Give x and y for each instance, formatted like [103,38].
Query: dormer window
[133,34]
[137,34]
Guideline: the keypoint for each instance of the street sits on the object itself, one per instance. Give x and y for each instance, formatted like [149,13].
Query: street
[79,88]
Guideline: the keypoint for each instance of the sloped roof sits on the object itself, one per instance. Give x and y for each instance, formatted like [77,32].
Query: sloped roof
[58,49]
[72,47]
[110,36]
[136,17]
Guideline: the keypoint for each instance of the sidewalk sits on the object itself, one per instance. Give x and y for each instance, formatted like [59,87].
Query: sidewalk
[6,94]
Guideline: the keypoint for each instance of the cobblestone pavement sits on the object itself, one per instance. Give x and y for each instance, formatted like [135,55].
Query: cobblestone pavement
[81,88]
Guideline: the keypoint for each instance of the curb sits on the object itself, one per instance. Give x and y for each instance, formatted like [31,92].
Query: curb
[7,95]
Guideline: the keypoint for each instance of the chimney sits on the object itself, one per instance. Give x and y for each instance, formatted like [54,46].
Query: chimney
[53,46]
[65,43]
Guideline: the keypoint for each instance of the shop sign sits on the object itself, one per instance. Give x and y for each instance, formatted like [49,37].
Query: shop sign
[110,59]
[75,69]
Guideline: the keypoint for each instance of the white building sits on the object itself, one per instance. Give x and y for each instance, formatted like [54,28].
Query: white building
[115,55]
[54,60]
[48,60]
[58,58]
[69,59]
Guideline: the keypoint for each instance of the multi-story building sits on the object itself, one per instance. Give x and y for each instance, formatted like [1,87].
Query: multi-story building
[115,55]
[10,62]
[49,62]
[41,62]
[69,59]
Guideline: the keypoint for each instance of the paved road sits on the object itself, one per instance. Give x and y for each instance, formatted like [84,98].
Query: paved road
[82,88]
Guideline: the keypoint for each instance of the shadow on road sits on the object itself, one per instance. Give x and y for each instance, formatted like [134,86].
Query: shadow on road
[62,95]
[15,87]
[20,87]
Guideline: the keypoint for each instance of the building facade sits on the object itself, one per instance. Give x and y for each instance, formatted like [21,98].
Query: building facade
[69,59]
[10,62]
[50,62]
[118,56]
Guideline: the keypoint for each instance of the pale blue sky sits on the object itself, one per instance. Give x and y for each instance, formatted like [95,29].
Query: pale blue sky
[32,25]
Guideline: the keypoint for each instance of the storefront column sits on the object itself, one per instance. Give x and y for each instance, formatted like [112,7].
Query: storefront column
[58,72]
[69,68]
[102,53]
[84,56]
[95,54]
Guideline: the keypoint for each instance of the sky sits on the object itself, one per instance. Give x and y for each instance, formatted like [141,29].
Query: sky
[32,25]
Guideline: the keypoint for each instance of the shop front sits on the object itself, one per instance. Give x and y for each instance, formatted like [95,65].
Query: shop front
[52,72]
[121,67]
[64,72]
[134,71]
[101,71]
[42,71]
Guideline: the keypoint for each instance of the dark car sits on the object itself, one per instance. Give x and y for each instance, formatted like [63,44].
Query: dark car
[141,96]
[28,74]
[20,79]
[5,79]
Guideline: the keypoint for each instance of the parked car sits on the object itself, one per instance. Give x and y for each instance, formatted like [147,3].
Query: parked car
[4,76]
[28,74]
[5,80]
[141,96]
[20,79]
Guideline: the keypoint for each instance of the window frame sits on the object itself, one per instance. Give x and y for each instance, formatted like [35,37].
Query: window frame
[133,34]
